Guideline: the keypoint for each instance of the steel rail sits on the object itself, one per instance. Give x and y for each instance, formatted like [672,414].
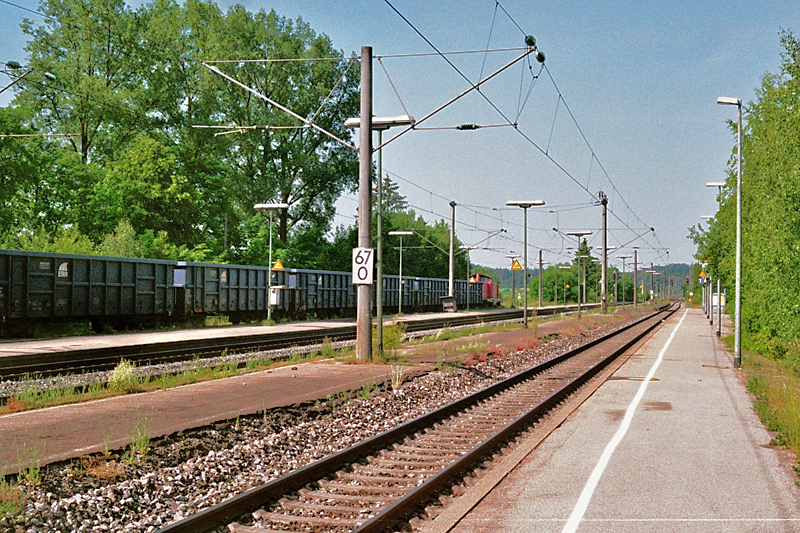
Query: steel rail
[50,363]
[229,510]
[106,358]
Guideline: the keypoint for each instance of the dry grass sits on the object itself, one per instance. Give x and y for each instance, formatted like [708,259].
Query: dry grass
[777,391]
[103,468]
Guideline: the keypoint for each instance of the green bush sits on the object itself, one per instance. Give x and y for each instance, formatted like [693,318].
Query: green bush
[122,379]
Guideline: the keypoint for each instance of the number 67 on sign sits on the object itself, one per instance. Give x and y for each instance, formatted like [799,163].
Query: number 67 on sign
[362,266]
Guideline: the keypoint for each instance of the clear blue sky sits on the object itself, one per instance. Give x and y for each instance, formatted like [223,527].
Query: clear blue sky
[640,78]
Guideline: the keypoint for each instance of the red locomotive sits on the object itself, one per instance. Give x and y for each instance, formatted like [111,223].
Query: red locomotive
[491,291]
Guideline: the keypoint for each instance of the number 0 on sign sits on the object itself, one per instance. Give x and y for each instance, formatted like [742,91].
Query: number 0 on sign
[362,266]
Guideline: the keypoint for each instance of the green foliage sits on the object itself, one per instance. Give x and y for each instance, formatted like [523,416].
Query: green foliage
[327,351]
[393,335]
[770,203]
[366,390]
[12,498]
[64,240]
[130,86]
[122,242]
[425,254]
[139,445]
[143,187]
[122,378]
[31,462]
[776,386]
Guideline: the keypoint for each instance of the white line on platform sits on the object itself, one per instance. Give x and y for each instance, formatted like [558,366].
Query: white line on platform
[644,520]
[586,495]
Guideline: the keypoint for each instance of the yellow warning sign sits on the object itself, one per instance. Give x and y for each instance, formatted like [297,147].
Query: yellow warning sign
[278,265]
[702,273]
[515,265]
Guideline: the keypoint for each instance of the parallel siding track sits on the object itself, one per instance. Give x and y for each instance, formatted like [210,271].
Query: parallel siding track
[89,360]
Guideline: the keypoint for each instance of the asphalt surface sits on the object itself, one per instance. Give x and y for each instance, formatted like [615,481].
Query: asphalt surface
[690,456]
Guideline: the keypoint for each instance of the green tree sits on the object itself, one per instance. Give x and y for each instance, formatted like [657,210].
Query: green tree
[286,161]
[91,48]
[143,188]
[770,203]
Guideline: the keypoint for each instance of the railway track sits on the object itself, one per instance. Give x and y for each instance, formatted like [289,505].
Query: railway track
[91,360]
[381,482]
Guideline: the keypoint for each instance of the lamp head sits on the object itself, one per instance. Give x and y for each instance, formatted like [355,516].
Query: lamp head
[729,100]
[524,203]
[271,206]
[382,123]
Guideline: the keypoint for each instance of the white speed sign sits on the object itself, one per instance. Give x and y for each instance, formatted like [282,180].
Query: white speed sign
[362,266]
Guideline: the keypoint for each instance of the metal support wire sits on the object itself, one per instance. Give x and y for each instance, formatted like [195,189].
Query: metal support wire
[459,96]
[307,122]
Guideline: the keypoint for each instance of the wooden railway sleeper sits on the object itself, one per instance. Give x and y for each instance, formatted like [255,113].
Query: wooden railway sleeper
[400,473]
[357,477]
[360,498]
[407,462]
[364,488]
[306,520]
[291,505]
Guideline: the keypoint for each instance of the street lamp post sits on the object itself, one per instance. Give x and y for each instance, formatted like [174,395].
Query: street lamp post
[623,257]
[651,272]
[635,277]
[525,204]
[719,185]
[380,124]
[467,249]
[737,336]
[270,207]
[578,235]
[400,234]
[604,269]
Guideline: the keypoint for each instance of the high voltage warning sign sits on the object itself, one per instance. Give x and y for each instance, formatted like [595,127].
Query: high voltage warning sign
[515,265]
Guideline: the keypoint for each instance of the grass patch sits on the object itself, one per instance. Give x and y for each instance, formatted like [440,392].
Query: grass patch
[394,335]
[12,497]
[139,445]
[218,320]
[447,334]
[396,377]
[777,391]
[443,362]
[122,378]
[31,462]
[366,391]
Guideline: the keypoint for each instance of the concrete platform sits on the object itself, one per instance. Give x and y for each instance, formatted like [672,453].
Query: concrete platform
[682,451]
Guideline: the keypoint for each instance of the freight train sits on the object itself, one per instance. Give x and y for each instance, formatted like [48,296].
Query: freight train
[40,288]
